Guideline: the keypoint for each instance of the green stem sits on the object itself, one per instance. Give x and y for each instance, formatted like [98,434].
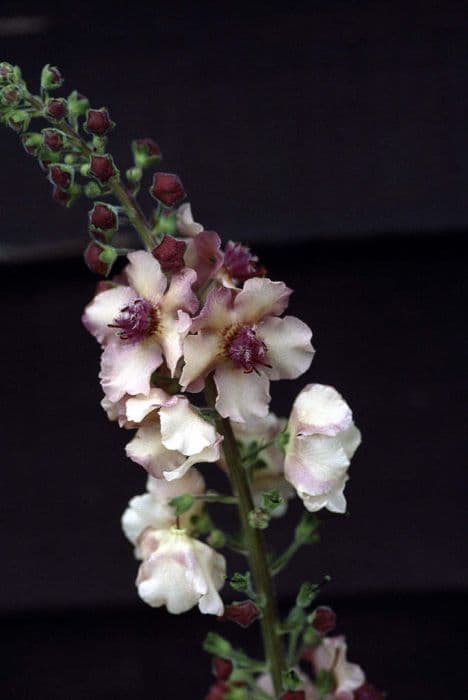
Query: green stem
[126,199]
[255,545]
[284,558]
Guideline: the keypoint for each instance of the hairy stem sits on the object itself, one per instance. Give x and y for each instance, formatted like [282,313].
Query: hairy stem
[255,545]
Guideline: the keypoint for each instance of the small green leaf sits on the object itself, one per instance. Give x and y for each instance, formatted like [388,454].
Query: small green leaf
[217,645]
[306,530]
[183,503]
[241,582]
[271,500]
[291,680]
[307,594]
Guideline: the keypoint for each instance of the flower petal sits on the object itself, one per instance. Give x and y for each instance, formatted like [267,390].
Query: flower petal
[289,348]
[241,396]
[147,449]
[183,428]
[316,463]
[180,294]
[217,312]
[200,354]
[261,297]
[138,407]
[104,309]
[171,337]
[186,226]
[204,255]
[145,276]
[321,409]
[126,368]
[209,454]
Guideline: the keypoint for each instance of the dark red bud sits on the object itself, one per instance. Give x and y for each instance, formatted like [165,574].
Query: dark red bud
[53,140]
[222,668]
[170,253]
[102,168]
[150,146]
[368,692]
[167,188]
[61,197]
[56,109]
[91,258]
[60,177]
[324,620]
[242,613]
[103,217]
[294,695]
[217,691]
[98,121]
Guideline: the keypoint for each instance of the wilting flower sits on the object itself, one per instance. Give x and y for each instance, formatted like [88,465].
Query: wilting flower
[331,656]
[322,440]
[139,324]
[180,572]
[172,435]
[186,226]
[239,336]
[152,509]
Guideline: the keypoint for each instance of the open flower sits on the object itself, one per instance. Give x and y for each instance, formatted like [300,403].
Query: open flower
[172,435]
[240,338]
[140,324]
[180,572]
[152,509]
[331,656]
[322,440]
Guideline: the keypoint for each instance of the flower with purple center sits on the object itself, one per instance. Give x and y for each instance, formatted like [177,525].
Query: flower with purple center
[246,350]
[239,263]
[136,321]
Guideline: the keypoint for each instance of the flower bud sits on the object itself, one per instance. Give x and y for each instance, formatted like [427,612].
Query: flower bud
[243,613]
[170,253]
[32,142]
[92,190]
[51,78]
[103,218]
[102,167]
[146,153]
[368,692]
[11,95]
[77,104]
[19,120]
[56,109]
[9,74]
[259,518]
[222,668]
[134,175]
[99,258]
[66,199]
[98,121]
[167,188]
[324,620]
[61,175]
[53,139]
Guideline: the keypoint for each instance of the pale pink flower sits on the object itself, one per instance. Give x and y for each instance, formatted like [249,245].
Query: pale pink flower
[180,572]
[204,255]
[152,509]
[240,338]
[186,226]
[322,440]
[172,436]
[331,656]
[140,324]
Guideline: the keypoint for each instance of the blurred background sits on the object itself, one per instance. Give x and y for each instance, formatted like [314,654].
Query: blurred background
[332,137]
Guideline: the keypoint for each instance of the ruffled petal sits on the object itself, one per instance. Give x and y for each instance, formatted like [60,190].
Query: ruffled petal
[171,337]
[183,428]
[145,276]
[104,309]
[201,352]
[147,449]
[180,295]
[321,409]
[209,454]
[138,407]
[289,348]
[241,396]
[217,312]
[334,500]
[126,368]
[204,255]
[259,298]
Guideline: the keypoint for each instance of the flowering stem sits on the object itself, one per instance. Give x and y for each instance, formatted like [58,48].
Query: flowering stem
[255,545]
[126,199]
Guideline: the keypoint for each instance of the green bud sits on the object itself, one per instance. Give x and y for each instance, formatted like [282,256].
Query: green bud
[109,256]
[134,175]
[11,95]
[311,637]
[241,582]
[271,500]
[306,530]
[166,224]
[183,503]
[237,693]
[92,189]
[9,74]
[19,120]
[77,104]
[145,153]
[296,619]
[70,159]
[259,519]
[217,646]
[217,539]
[51,78]
[307,594]
[84,169]
[291,680]
[324,682]
[201,523]
[32,143]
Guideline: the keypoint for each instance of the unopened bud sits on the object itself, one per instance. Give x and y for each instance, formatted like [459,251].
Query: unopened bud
[222,668]
[32,143]
[77,104]
[167,188]
[65,198]
[324,620]
[19,120]
[51,78]
[134,175]
[56,109]
[103,217]
[216,539]
[243,613]
[85,169]
[259,519]
[11,95]
[146,152]
[98,122]
[170,253]
[9,74]
[53,139]
[102,168]
[92,190]
[100,258]
[217,691]
[61,175]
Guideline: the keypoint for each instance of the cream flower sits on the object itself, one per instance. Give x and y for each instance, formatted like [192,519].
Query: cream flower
[140,324]
[186,226]
[180,572]
[323,438]
[331,656]
[240,338]
[152,509]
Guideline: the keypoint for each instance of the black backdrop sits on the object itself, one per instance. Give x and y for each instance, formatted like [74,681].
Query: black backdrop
[332,135]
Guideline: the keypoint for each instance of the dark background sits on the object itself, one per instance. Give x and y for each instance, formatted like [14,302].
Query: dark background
[332,136]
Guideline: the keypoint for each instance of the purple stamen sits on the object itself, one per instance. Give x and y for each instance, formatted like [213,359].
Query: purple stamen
[136,321]
[246,350]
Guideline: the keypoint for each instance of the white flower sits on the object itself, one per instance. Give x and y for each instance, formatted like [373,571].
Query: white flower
[331,656]
[323,438]
[152,509]
[186,226]
[180,572]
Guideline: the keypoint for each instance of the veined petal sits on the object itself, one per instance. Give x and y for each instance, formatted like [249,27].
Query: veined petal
[217,312]
[316,463]
[145,276]
[261,297]
[138,407]
[183,428]
[180,294]
[126,368]
[200,354]
[321,409]
[241,396]
[104,309]
[289,348]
